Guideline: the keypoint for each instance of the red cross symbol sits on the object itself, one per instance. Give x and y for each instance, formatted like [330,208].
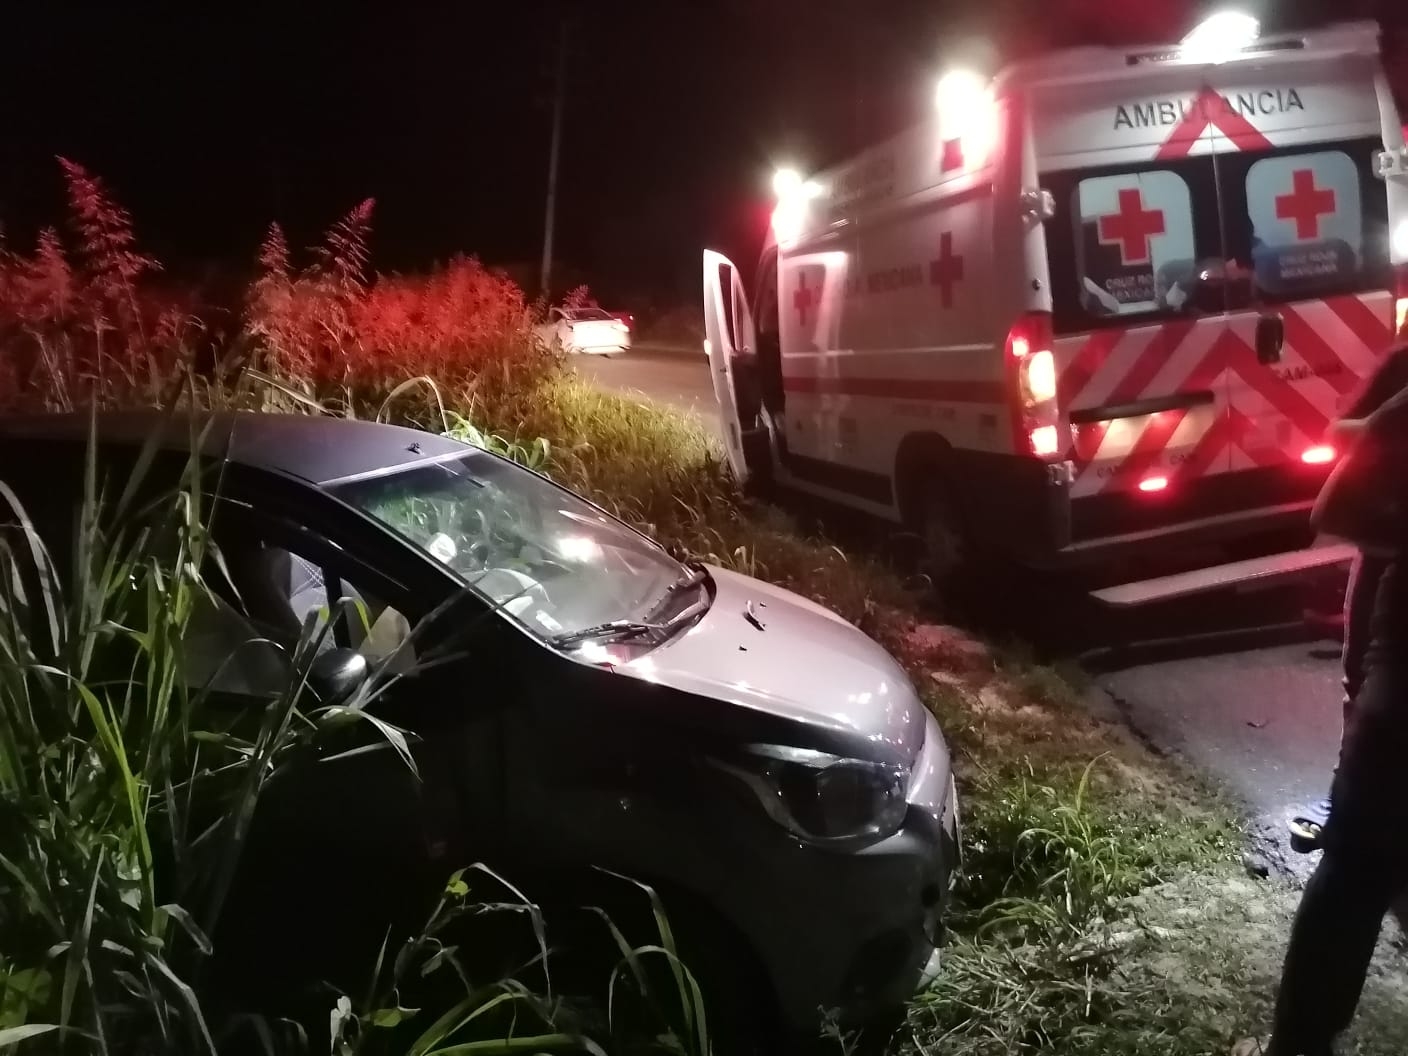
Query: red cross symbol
[1132,227]
[1305,205]
[804,299]
[947,270]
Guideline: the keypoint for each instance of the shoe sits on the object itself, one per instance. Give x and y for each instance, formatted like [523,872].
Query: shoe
[1308,826]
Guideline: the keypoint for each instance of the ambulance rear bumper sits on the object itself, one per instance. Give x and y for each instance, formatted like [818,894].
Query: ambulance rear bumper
[1023,509]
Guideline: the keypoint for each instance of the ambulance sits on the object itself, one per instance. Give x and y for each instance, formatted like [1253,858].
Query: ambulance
[1094,313]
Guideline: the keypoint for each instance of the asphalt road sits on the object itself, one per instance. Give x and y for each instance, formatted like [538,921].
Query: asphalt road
[1263,722]
[1258,713]
[675,377]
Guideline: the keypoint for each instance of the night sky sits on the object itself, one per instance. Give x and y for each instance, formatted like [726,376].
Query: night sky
[208,121]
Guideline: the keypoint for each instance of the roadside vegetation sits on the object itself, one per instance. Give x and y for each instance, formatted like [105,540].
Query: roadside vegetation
[1102,907]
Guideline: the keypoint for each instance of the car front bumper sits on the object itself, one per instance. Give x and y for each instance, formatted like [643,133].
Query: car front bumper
[601,343]
[857,932]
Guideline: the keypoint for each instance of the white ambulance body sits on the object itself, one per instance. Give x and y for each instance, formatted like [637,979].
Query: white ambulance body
[1102,308]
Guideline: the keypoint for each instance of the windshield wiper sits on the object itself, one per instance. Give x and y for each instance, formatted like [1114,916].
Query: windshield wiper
[616,630]
[622,630]
[698,576]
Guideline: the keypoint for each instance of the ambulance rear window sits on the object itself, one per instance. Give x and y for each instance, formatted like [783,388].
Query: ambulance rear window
[1211,234]
[1126,242]
[1308,222]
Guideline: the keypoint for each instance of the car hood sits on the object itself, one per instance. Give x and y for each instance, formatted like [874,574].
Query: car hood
[765,648]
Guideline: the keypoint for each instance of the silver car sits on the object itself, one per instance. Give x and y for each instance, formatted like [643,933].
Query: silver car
[744,750]
[585,331]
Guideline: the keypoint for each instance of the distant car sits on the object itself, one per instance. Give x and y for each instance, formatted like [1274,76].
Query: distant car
[592,702]
[587,331]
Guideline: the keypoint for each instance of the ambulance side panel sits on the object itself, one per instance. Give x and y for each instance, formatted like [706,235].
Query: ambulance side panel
[892,345]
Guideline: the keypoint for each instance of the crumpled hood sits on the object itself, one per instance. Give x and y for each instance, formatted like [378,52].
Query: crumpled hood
[765,648]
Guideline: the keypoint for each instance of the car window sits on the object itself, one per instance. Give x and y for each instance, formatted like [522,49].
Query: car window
[1132,244]
[578,315]
[1309,222]
[539,553]
[243,632]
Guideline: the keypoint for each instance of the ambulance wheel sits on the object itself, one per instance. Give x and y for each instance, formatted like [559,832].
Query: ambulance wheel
[942,535]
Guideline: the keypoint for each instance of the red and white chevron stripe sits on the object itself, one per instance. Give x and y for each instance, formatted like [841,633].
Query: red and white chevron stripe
[1259,416]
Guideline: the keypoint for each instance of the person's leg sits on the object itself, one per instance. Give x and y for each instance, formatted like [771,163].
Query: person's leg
[1332,943]
[1365,868]
[1308,823]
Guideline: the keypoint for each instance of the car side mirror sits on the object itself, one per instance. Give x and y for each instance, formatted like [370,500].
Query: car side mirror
[337,674]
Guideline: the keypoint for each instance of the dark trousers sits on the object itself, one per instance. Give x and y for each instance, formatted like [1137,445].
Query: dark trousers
[1365,864]
[1332,943]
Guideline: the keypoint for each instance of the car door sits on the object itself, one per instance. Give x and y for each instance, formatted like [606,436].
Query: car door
[729,334]
[355,825]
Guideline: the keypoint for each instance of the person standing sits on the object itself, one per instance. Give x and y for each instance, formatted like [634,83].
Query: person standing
[1364,868]
[1391,377]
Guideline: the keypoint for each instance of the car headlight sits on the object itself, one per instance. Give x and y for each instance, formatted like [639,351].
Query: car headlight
[824,799]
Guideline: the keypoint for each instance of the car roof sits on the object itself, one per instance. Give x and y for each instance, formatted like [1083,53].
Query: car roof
[320,450]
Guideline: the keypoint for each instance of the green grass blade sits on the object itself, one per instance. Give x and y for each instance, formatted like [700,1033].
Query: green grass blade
[12,1036]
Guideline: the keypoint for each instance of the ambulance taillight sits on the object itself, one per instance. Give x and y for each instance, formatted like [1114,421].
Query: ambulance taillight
[1399,250]
[1400,303]
[1032,368]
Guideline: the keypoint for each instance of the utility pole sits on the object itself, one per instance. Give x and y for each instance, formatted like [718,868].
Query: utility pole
[545,279]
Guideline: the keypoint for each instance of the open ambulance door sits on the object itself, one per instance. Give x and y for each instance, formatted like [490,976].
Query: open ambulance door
[728,334]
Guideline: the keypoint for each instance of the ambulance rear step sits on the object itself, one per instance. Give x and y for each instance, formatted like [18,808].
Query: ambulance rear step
[1253,573]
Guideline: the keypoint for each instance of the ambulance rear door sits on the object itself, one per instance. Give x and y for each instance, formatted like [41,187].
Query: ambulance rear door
[1309,278]
[1136,332]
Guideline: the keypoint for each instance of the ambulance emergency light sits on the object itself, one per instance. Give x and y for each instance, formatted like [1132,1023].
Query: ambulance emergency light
[793,193]
[959,94]
[967,115]
[1220,37]
[785,182]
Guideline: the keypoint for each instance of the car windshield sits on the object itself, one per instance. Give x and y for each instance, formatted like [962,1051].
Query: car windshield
[551,560]
[579,315]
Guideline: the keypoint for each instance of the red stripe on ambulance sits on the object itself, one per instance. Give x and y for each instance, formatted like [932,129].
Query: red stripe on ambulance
[1374,329]
[1319,354]
[1107,459]
[899,388]
[1211,110]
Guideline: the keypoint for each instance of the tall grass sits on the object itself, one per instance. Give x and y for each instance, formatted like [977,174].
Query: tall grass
[113,867]
[344,333]
[77,322]
[127,798]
